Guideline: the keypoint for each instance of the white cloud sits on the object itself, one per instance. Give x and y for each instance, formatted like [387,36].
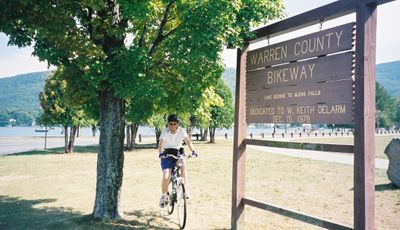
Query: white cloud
[19,63]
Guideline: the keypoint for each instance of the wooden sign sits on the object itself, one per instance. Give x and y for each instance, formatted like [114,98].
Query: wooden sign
[328,68]
[322,83]
[312,45]
[332,113]
[313,93]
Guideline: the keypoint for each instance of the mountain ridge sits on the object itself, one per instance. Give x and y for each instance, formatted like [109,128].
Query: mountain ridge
[20,93]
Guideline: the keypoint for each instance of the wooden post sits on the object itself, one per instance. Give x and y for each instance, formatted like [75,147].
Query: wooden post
[364,144]
[239,145]
[45,138]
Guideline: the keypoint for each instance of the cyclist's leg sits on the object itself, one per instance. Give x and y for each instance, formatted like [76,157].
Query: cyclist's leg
[166,165]
[166,174]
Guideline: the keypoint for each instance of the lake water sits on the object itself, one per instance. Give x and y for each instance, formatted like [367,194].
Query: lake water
[87,132]
[54,132]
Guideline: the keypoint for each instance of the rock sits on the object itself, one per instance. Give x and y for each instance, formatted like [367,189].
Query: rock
[392,151]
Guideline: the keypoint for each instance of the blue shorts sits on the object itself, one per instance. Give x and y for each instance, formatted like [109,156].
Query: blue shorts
[167,163]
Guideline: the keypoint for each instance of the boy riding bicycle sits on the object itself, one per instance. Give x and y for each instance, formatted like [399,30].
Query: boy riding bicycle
[171,142]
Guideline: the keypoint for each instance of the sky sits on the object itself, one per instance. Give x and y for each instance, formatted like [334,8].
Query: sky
[14,61]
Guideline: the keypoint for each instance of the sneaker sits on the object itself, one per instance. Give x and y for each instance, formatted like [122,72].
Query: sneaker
[163,200]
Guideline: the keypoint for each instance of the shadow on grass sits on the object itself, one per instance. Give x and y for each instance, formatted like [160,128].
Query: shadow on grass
[77,149]
[384,187]
[144,146]
[59,150]
[16,213]
[85,149]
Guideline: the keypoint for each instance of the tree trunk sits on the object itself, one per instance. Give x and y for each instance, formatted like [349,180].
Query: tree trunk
[212,134]
[94,130]
[78,129]
[134,131]
[189,132]
[128,137]
[65,139]
[110,158]
[158,134]
[71,142]
[204,136]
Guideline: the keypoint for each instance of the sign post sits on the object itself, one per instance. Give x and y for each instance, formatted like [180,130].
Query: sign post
[364,140]
[45,135]
[239,145]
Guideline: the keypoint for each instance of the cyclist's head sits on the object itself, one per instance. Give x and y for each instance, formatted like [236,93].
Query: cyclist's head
[173,118]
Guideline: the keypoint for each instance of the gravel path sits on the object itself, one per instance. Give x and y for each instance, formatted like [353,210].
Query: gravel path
[10,145]
[343,158]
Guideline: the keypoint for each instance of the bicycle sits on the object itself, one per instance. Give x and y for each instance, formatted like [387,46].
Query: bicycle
[176,191]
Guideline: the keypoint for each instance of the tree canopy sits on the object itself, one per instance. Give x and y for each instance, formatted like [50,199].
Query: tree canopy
[163,52]
[386,108]
[59,110]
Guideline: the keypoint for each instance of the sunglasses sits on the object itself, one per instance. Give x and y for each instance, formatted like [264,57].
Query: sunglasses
[172,124]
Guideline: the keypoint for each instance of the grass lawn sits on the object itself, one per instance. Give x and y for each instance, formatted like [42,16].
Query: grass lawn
[50,190]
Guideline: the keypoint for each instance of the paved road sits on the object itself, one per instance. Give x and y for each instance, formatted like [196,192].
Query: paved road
[9,145]
[343,158]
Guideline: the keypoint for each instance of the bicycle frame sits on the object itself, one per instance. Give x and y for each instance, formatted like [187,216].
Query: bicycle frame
[177,195]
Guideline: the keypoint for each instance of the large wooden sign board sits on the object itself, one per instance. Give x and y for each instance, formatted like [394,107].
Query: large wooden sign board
[282,87]
[310,79]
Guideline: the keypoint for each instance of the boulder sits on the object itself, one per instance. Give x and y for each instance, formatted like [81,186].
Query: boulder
[392,151]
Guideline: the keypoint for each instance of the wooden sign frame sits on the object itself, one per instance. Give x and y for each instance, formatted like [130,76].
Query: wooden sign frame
[364,143]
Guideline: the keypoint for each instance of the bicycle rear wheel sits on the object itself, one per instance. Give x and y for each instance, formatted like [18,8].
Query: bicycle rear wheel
[171,198]
[181,205]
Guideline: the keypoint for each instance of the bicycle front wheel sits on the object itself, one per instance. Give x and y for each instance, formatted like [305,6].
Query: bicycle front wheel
[181,205]
[171,198]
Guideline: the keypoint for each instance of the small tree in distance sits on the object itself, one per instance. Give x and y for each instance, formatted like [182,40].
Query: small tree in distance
[221,116]
[58,111]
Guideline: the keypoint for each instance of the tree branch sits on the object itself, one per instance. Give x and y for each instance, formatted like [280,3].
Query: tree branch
[160,37]
[141,39]
[89,18]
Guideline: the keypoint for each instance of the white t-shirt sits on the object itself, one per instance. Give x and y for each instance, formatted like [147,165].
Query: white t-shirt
[173,141]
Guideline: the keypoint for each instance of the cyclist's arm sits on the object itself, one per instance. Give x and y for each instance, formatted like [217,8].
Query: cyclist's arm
[189,143]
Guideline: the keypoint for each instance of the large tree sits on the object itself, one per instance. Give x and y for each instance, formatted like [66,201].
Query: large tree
[170,46]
